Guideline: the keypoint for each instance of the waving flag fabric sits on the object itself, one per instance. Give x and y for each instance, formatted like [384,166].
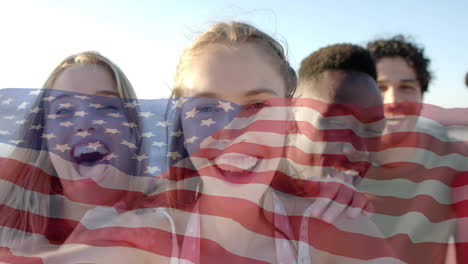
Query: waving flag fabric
[93,179]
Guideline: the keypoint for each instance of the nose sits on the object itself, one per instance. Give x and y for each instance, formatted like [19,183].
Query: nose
[85,124]
[391,95]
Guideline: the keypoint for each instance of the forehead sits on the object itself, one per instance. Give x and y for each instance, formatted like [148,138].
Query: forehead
[87,79]
[347,87]
[395,69]
[229,71]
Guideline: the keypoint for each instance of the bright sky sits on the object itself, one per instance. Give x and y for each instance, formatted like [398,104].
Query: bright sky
[145,38]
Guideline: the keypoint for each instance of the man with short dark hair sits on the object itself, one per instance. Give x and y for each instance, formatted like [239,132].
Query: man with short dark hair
[340,81]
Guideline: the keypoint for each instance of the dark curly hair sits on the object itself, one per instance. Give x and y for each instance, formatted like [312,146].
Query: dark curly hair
[466,79]
[400,46]
[337,57]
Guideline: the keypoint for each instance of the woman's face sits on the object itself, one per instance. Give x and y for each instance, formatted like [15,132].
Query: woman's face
[228,79]
[84,130]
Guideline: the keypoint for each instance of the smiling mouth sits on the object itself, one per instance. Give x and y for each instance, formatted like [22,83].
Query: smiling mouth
[235,162]
[84,155]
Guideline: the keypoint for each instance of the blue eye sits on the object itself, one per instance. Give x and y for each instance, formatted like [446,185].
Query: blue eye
[110,108]
[62,112]
[207,109]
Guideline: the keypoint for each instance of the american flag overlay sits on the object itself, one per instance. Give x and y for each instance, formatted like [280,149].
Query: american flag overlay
[95,179]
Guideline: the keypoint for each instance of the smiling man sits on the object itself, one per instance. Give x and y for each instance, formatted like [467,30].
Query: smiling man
[410,186]
[403,78]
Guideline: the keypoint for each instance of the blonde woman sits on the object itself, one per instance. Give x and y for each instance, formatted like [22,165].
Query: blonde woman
[68,162]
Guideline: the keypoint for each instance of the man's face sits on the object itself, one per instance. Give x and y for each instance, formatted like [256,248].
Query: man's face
[401,93]
[355,96]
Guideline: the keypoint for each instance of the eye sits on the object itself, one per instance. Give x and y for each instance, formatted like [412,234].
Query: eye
[64,112]
[256,106]
[407,88]
[382,87]
[207,109]
[110,108]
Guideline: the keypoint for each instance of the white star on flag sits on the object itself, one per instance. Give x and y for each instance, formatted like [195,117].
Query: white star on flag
[191,139]
[131,105]
[128,144]
[80,113]
[191,113]
[62,148]
[145,114]
[16,141]
[22,105]
[97,106]
[159,144]
[35,92]
[109,156]
[48,98]
[147,134]
[52,116]
[82,134]
[112,131]
[140,157]
[114,114]
[226,106]
[163,124]
[21,122]
[208,122]
[98,122]
[131,125]
[151,169]
[7,101]
[94,145]
[67,105]
[49,136]
[66,124]
[36,127]
[82,97]
[35,110]
[174,155]
[176,133]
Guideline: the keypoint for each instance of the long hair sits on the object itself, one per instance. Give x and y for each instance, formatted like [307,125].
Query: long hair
[30,166]
[224,33]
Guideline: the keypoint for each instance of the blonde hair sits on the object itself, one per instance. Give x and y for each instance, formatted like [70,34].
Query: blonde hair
[123,86]
[31,201]
[230,33]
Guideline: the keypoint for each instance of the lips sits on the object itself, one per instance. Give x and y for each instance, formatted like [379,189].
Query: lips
[88,152]
[235,162]
[235,167]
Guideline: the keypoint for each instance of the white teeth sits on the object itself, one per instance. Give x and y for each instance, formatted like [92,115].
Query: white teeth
[350,173]
[77,152]
[333,172]
[234,162]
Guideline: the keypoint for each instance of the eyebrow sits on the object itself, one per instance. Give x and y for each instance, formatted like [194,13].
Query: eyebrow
[247,94]
[205,94]
[403,80]
[108,93]
[260,91]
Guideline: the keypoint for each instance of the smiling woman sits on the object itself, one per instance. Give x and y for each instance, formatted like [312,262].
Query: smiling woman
[82,163]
